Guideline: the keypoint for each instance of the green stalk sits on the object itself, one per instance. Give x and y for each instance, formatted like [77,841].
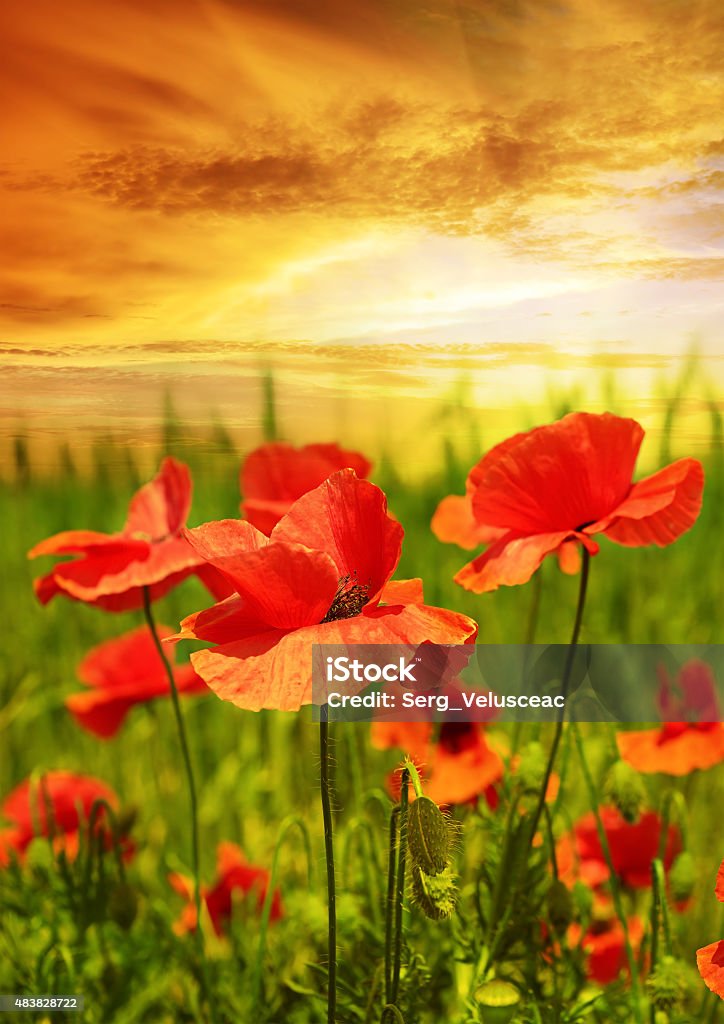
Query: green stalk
[329,855]
[565,685]
[390,905]
[613,880]
[287,825]
[400,894]
[193,802]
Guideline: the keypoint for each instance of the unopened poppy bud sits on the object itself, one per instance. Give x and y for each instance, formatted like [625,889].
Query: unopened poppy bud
[682,877]
[435,895]
[560,906]
[123,905]
[626,791]
[667,984]
[428,836]
[497,1001]
[532,767]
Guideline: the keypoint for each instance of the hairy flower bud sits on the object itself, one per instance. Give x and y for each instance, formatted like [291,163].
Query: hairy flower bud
[435,895]
[123,905]
[497,1001]
[682,877]
[560,906]
[625,789]
[428,836]
[667,984]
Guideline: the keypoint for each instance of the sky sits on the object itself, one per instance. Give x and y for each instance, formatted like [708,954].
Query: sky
[198,178]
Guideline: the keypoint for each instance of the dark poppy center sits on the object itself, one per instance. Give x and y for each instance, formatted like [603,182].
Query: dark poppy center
[455,737]
[350,599]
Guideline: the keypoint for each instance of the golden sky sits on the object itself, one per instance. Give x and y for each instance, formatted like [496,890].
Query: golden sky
[196,175]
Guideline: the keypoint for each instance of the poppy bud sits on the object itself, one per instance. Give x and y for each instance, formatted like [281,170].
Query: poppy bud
[123,905]
[682,877]
[497,1001]
[667,984]
[532,767]
[560,906]
[435,895]
[428,836]
[625,790]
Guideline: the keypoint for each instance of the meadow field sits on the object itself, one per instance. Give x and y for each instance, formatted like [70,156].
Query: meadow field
[532,937]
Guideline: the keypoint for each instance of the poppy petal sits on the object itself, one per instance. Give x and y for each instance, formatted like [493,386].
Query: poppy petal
[101,713]
[160,508]
[569,557]
[659,508]
[559,476]
[278,471]
[509,561]
[710,961]
[223,623]
[274,669]
[453,523]
[131,656]
[692,749]
[402,592]
[347,518]
[87,541]
[284,585]
[117,584]
[225,537]
[719,890]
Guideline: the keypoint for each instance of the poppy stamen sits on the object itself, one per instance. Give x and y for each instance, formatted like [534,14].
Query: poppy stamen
[350,598]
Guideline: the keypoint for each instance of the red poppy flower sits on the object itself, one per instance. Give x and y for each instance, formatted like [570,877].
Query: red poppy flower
[276,474]
[680,747]
[457,767]
[453,522]
[233,875]
[150,551]
[604,943]
[56,804]
[710,959]
[568,481]
[633,847]
[121,673]
[320,578]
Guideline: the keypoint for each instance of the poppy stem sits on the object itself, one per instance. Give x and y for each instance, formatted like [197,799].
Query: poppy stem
[186,756]
[612,880]
[390,908]
[400,882]
[565,686]
[329,855]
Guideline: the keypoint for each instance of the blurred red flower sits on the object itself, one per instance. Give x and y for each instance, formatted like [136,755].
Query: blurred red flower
[320,578]
[604,943]
[150,551]
[56,804]
[567,481]
[680,747]
[233,874]
[276,474]
[457,766]
[632,846]
[121,673]
[710,959]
